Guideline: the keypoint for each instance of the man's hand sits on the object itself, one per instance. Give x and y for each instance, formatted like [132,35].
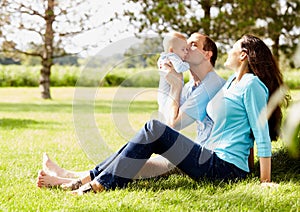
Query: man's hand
[172,77]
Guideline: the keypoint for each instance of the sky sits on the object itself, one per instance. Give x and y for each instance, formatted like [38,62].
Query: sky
[110,34]
[96,39]
[109,37]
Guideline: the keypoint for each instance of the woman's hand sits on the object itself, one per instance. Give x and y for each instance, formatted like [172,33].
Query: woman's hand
[269,185]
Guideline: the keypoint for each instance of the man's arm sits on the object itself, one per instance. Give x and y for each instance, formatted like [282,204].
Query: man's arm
[174,117]
[173,101]
[181,121]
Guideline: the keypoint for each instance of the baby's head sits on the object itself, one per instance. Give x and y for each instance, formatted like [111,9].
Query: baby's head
[175,42]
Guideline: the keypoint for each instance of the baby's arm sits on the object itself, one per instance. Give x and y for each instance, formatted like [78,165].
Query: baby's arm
[178,64]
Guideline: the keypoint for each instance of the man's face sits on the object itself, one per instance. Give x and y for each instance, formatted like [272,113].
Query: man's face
[195,53]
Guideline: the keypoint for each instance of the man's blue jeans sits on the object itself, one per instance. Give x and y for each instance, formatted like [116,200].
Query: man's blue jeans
[155,137]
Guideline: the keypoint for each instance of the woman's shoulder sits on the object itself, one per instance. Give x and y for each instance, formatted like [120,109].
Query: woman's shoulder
[253,82]
[250,78]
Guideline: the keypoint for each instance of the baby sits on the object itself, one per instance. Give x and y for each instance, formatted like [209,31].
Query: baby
[175,49]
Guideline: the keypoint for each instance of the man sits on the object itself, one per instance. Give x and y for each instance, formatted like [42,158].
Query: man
[186,105]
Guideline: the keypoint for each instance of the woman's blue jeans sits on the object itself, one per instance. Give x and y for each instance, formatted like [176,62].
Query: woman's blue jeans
[156,137]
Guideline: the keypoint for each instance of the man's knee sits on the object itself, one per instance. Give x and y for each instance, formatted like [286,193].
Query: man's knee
[154,125]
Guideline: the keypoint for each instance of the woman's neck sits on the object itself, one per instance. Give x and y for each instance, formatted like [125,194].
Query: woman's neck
[241,71]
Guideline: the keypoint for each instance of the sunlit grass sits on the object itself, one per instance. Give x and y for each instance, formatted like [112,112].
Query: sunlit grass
[30,126]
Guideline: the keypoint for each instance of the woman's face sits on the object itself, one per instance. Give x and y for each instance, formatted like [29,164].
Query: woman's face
[234,56]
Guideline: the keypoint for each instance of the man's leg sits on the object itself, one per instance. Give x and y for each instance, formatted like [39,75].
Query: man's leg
[53,169]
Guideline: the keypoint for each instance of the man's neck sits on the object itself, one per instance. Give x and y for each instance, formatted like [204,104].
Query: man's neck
[200,72]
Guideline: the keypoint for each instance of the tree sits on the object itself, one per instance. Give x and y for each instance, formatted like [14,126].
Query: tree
[277,20]
[51,23]
[223,20]
[144,54]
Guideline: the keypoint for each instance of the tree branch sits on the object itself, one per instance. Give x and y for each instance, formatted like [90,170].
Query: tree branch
[21,52]
[29,11]
[22,27]
[66,34]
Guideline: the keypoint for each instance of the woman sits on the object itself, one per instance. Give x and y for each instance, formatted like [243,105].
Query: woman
[235,111]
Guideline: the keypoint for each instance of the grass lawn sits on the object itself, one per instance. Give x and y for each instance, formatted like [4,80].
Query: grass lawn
[30,126]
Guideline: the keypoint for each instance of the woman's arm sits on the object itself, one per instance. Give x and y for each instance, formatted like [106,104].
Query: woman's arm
[265,169]
[265,173]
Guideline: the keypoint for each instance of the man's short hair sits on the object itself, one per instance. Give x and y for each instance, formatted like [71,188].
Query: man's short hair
[209,45]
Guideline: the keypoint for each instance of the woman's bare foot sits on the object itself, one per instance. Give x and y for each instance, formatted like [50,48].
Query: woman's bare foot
[46,180]
[74,185]
[88,187]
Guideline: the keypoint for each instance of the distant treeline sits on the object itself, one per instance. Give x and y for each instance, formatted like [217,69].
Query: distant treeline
[28,76]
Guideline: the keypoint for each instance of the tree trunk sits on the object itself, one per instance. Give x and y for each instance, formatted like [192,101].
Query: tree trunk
[45,82]
[47,59]
[206,6]
[275,49]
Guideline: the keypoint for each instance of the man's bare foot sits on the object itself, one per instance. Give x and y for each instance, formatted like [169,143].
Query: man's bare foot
[46,180]
[52,168]
[55,170]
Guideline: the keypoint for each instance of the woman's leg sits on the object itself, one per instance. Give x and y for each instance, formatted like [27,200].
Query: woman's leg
[157,138]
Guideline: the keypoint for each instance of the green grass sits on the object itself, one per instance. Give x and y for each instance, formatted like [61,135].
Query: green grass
[30,126]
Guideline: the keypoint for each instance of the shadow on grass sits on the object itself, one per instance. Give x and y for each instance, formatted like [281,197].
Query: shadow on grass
[9,123]
[181,181]
[100,106]
[31,107]
[284,167]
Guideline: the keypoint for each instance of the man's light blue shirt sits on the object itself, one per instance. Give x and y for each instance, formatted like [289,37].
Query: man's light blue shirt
[194,100]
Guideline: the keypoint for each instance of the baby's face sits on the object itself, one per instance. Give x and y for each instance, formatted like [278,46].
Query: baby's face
[180,48]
